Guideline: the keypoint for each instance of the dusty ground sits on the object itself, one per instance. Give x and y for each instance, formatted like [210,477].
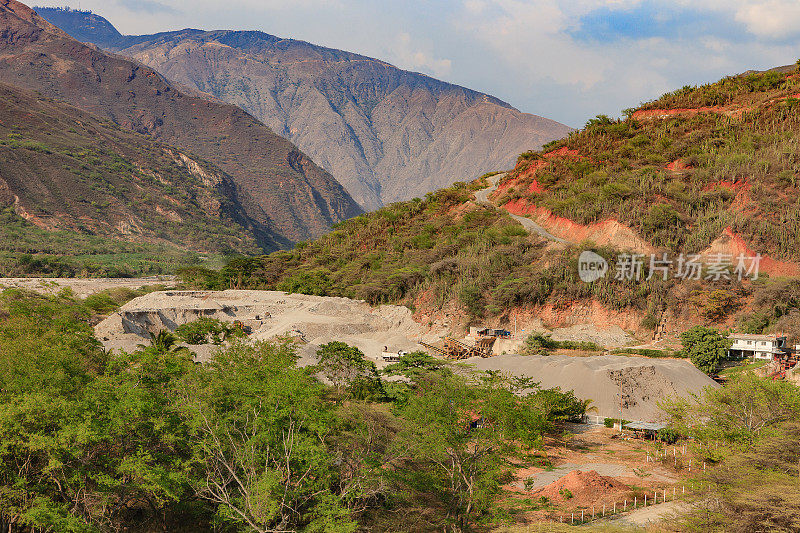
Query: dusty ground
[83,287]
[599,470]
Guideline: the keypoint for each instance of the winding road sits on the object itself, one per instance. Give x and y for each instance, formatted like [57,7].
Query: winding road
[482,196]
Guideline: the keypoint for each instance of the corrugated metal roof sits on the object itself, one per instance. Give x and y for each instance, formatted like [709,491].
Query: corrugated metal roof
[653,426]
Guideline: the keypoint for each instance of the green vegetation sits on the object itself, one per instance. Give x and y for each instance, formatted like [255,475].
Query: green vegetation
[647,352]
[424,253]
[706,347]
[750,438]
[620,170]
[208,330]
[26,250]
[99,441]
[538,343]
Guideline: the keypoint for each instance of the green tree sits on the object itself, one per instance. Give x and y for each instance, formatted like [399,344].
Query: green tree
[740,412]
[457,434]
[350,371]
[706,347]
[264,427]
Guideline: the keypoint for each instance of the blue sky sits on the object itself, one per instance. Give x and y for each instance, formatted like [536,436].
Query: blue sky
[566,60]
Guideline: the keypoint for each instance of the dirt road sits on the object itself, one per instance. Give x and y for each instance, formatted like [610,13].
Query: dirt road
[482,196]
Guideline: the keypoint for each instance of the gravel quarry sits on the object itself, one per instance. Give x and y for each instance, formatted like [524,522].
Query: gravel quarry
[642,381]
[316,320]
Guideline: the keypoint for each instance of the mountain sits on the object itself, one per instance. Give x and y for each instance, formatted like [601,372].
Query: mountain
[279,187]
[386,134]
[705,175]
[64,169]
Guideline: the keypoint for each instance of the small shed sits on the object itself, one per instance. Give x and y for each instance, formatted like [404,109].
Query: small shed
[645,430]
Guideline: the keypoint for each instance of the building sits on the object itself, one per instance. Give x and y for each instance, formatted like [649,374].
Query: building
[757,346]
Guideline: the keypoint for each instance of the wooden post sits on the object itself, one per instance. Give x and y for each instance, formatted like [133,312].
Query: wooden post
[604,509]
[573,518]
[645,500]
[626,505]
[581,515]
[614,511]
[634,502]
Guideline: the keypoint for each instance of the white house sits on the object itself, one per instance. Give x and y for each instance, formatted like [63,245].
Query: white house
[756,346]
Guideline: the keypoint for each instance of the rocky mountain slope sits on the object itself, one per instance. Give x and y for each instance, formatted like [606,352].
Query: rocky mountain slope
[709,172]
[64,169]
[279,187]
[386,134]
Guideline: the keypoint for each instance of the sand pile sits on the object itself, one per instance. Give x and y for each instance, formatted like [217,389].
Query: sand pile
[314,319]
[636,383]
[585,488]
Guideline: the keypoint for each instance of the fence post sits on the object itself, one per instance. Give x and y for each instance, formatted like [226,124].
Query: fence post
[615,508]
[634,502]
[645,500]
[581,515]
[604,509]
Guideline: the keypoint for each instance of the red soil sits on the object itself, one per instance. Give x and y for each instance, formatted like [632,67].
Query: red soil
[678,164]
[646,114]
[586,488]
[564,152]
[732,244]
[732,185]
[606,232]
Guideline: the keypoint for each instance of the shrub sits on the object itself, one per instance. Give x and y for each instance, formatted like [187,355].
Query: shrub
[208,330]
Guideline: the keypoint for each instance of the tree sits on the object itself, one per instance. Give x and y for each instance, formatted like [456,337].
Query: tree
[705,347]
[164,342]
[264,427]
[457,433]
[349,370]
[756,489]
[738,413]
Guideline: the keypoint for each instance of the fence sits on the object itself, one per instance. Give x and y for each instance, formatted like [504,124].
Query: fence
[619,508]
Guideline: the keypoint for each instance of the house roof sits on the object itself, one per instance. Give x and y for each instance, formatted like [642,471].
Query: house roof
[752,337]
[653,426]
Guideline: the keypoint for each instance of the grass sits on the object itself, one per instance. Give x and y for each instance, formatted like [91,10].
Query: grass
[744,366]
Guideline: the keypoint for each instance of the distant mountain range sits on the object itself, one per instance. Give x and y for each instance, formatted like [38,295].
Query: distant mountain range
[384,133]
[271,189]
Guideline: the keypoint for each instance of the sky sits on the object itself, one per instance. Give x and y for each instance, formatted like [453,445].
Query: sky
[568,60]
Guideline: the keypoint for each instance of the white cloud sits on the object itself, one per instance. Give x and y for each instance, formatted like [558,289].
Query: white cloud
[408,56]
[771,19]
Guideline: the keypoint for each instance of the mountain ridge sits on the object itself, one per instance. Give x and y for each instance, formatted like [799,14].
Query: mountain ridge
[281,188]
[385,133]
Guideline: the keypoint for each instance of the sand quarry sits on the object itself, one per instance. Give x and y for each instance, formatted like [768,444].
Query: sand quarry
[316,320]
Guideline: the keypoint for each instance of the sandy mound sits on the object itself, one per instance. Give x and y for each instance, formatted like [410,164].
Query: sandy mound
[642,382]
[315,319]
[585,487]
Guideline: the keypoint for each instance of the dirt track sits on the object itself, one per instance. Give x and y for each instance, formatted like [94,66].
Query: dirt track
[482,196]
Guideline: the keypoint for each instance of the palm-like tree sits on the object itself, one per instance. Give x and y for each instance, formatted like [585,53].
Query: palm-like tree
[164,342]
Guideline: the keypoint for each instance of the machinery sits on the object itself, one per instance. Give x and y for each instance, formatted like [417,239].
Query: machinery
[454,349]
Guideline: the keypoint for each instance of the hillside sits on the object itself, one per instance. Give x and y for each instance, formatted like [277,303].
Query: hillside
[386,134]
[708,170]
[64,169]
[279,188]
